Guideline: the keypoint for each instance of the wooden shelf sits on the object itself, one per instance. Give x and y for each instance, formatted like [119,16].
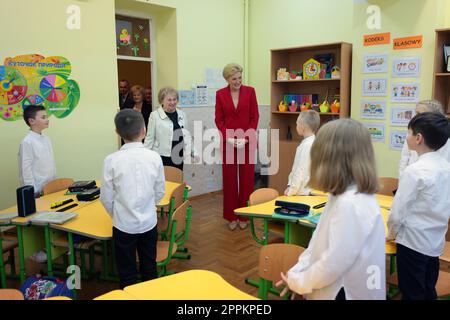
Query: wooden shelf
[286,122]
[442,74]
[305,80]
[297,113]
[441,79]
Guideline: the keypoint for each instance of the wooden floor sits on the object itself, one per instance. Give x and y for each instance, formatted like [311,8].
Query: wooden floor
[232,254]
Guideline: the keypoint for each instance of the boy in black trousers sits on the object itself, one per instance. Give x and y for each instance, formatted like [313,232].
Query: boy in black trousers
[133,183]
[421,209]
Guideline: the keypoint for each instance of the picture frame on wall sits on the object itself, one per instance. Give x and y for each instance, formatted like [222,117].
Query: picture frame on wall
[405,92]
[373,109]
[406,67]
[376,63]
[374,87]
[377,131]
[401,116]
[397,139]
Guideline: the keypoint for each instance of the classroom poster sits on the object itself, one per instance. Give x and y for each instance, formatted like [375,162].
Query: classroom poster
[186,98]
[407,67]
[405,92]
[373,109]
[397,139]
[201,95]
[377,131]
[400,116]
[35,79]
[373,87]
[376,63]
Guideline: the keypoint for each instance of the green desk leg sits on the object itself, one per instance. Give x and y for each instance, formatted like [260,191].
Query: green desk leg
[392,290]
[2,267]
[72,256]
[261,284]
[105,259]
[286,232]
[48,245]
[22,273]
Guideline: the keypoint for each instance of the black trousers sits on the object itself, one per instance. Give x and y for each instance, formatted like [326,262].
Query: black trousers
[126,245]
[341,295]
[417,274]
[167,161]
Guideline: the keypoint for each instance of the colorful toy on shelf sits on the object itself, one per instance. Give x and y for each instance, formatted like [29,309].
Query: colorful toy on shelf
[311,69]
[282,107]
[294,75]
[282,74]
[324,107]
[293,106]
[305,106]
[335,106]
[335,72]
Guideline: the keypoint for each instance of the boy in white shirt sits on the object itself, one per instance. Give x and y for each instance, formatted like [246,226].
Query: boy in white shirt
[36,161]
[133,183]
[308,123]
[410,156]
[421,209]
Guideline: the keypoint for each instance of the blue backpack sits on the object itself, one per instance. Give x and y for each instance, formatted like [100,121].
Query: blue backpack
[38,288]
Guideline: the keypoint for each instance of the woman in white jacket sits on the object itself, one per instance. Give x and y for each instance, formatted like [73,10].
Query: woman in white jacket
[345,258]
[167,132]
[410,156]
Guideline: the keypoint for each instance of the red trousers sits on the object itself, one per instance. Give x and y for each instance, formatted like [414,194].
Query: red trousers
[235,195]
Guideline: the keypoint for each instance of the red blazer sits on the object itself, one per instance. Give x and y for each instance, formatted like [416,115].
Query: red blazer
[245,116]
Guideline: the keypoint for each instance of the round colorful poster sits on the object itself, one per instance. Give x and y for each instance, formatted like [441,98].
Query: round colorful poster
[33,99]
[13,86]
[54,88]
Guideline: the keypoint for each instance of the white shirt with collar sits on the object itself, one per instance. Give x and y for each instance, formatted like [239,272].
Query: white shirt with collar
[299,176]
[36,161]
[421,208]
[410,156]
[160,133]
[347,250]
[133,183]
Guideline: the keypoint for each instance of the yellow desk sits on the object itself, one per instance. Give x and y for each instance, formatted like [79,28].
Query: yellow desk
[383,200]
[116,295]
[188,285]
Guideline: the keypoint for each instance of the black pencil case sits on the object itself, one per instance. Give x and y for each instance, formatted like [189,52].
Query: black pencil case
[80,186]
[88,195]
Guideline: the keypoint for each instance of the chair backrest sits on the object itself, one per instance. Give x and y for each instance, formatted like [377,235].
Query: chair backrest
[180,216]
[387,186]
[178,195]
[57,185]
[11,294]
[173,174]
[263,195]
[276,258]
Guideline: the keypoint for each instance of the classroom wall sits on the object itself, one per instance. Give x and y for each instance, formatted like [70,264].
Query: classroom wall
[82,140]
[191,35]
[291,23]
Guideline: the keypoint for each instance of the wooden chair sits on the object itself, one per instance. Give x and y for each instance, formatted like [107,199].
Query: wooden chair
[57,185]
[173,174]
[274,259]
[11,294]
[166,249]
[260,196]
[387,186]
[176,200]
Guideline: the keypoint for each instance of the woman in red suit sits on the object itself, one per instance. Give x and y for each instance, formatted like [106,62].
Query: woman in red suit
[237,120]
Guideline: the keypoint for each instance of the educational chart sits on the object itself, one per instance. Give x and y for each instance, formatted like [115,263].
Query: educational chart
[377,131]
[376,63]
[397,139]
[400,116]
[373,110]
[372,87]
[34,79]
[405,92]
[406,67]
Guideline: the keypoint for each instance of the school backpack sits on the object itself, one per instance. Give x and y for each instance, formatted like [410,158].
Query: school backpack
[38,287]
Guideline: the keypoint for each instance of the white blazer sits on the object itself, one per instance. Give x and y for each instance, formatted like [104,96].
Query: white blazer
[347,250]
[160,133]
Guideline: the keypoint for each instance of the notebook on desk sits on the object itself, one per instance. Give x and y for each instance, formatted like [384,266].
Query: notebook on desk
[9,215]
[53,217]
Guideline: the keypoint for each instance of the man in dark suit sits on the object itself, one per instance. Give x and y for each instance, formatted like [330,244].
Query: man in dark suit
[125,99]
